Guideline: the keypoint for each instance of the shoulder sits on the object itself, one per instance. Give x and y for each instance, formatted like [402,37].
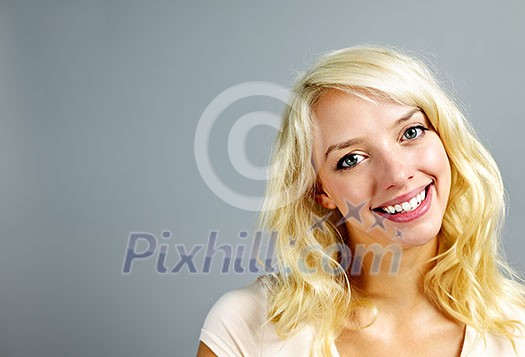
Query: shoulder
[233,324]
[247,305]
[238,325]
[490,344]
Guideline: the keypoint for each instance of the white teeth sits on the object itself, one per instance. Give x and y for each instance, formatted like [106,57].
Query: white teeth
[406,206]
[413,203]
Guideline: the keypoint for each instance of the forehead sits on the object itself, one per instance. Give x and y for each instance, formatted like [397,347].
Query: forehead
[336,110]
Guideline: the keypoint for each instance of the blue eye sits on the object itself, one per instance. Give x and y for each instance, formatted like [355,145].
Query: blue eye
[349,161]
[414,132]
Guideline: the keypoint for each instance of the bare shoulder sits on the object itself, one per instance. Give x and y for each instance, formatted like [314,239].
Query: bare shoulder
[205,351]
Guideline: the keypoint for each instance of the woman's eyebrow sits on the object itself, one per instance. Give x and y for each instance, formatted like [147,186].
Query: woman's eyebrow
[355,141]
[405,117]
[343,145]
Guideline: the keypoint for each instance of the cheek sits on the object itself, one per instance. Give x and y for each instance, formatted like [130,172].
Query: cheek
[355,191]
[436,161]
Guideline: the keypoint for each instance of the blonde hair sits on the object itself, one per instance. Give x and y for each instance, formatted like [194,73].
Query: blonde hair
[469,281]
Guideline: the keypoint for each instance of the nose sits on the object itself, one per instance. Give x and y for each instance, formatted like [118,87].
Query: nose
[394,170]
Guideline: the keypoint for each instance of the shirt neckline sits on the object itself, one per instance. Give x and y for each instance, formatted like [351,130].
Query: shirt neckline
[466,344]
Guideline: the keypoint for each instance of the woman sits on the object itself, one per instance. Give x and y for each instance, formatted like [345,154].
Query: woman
[388,211]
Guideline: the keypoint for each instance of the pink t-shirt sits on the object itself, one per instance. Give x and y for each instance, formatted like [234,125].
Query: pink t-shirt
[236,326]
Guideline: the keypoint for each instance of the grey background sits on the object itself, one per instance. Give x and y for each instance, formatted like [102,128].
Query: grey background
[99,102]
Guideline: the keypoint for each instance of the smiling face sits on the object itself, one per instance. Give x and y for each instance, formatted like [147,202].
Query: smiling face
[386,159]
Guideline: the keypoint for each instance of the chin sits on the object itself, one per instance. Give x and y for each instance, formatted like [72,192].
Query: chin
[417,237]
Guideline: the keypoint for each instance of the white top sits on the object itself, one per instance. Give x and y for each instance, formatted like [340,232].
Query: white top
[236,326]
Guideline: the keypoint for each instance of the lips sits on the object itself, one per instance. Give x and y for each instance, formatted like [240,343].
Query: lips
[404,215]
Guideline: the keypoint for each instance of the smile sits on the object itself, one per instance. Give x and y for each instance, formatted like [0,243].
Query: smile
[406,206]
[408,209]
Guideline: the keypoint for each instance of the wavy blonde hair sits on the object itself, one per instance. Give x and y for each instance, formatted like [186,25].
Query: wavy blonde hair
[469,281]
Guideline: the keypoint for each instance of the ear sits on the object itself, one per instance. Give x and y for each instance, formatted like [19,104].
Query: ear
[324,200]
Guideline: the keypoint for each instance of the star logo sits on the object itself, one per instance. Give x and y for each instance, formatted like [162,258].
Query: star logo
[319,222]
[399,234]
[379,221]
[353,212]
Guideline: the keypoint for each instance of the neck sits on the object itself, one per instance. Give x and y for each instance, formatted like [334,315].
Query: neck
[392,277]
